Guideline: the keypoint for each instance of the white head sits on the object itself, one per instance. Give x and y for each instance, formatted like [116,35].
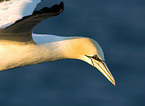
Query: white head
[89,51]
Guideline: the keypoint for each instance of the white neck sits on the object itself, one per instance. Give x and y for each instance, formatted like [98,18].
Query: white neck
[14,54]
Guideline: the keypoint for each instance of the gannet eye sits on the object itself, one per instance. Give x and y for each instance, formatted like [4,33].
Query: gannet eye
[95,57]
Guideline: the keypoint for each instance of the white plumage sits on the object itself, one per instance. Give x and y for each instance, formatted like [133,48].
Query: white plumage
[20,47]
[13,10]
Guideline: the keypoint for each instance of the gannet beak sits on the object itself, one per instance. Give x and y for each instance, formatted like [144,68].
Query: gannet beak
[102,67]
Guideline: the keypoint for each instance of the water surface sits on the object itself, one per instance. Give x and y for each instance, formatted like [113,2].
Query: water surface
[118,26]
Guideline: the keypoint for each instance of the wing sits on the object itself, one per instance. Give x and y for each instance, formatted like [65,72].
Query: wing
[13,10]
[22,29]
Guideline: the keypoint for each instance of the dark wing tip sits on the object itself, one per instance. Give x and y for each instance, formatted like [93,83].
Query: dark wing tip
[61,5]
[57,8]
[27,23]
[54,9]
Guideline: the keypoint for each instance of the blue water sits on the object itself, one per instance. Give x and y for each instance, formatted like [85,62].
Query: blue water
[118,26]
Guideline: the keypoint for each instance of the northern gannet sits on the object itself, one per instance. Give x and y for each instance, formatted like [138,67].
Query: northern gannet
[20,47]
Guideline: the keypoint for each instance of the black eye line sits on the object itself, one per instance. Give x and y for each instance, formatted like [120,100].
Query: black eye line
[91,59]
[95,57]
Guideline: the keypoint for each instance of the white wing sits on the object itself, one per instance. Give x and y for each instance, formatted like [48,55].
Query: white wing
[21,30]
[13,10]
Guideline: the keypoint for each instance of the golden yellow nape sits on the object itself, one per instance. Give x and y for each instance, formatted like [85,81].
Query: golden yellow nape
[20,47]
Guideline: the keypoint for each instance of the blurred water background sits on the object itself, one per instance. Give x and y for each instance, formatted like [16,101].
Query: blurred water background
[118,26]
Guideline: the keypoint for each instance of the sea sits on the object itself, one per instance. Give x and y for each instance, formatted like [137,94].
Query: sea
[118,26]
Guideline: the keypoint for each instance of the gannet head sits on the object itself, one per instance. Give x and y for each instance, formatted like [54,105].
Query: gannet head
[90,51]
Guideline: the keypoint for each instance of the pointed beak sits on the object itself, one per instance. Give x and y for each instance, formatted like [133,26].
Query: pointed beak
[102,67]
